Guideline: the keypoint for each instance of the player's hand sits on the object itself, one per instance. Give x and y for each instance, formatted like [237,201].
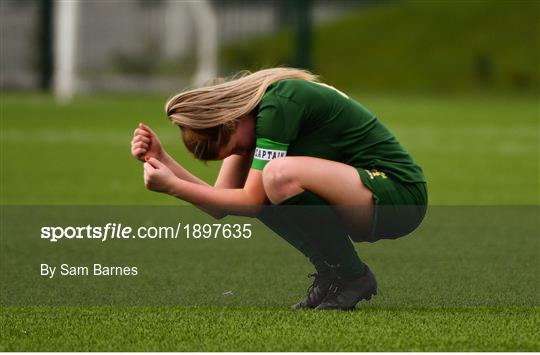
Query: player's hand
[157,176]
[145,143]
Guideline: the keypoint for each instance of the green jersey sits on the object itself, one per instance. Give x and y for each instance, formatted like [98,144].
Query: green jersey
[303,118]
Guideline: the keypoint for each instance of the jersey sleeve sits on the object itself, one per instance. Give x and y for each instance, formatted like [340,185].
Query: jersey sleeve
[278,124]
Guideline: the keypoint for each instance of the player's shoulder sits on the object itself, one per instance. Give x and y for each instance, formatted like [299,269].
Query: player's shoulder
[288,88]
[280,107]
[286,94]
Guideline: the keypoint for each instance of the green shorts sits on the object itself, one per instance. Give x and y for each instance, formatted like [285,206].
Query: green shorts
[399,206]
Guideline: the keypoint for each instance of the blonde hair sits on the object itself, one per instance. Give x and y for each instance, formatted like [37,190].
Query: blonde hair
[208,116]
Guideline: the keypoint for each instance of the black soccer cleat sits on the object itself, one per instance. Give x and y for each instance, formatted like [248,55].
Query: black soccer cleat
[317,291]
[344,295]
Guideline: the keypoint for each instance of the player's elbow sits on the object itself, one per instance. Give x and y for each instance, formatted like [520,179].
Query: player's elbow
[253,210]
[214,212]
[250,206]
[256,203]
[219,215]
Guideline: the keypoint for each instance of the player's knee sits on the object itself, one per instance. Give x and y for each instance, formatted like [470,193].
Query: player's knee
[277,179]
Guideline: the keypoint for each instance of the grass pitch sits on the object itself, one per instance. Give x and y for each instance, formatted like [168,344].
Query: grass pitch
[441,289]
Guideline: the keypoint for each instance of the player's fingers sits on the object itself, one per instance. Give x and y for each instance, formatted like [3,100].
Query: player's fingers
[141,138]
[150,162]
[142,132]
[148,129]
[140,145]
[139,152]
[148,168]
[154,162]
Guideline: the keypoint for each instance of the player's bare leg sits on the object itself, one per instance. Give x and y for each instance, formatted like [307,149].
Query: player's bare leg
[340,186]
[337,183]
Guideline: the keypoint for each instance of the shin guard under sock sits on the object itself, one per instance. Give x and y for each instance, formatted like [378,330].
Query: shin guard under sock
[321,222]
[281,224]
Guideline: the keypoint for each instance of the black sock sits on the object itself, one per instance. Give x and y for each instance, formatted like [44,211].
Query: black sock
[281,224]
[321,222]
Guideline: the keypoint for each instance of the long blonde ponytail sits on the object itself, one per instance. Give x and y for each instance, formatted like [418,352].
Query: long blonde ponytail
[214,105]
[208,115]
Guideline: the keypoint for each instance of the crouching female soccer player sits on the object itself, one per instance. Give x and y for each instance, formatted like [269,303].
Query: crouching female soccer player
[288,140]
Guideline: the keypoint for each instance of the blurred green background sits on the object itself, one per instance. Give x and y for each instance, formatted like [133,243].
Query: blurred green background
[433,47]
[457,82]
